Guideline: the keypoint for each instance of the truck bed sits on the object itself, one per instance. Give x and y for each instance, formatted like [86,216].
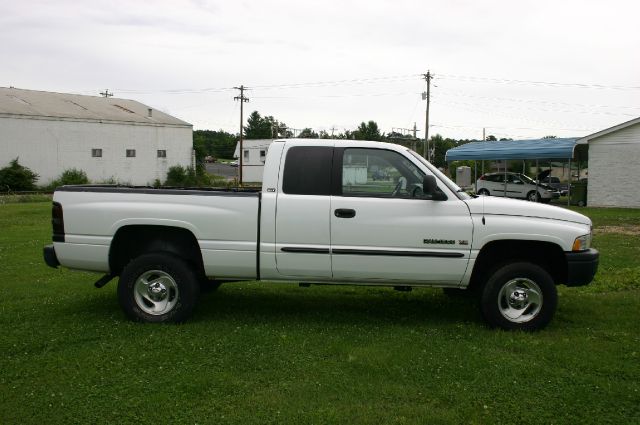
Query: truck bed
[223,221]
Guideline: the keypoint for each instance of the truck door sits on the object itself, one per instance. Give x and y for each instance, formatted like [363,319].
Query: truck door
[303,211]
[381,228]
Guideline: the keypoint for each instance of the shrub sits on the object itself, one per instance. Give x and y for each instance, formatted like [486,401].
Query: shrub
[73,176]
[186,177]
[16,177]
[70,176]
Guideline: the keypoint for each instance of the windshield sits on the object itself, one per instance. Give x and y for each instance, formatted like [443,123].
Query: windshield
[450,184]
[527,179]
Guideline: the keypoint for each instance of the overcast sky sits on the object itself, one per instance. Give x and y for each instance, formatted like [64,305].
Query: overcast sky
[333,64]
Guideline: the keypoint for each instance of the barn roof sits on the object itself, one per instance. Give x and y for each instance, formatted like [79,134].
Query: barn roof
[41,104]
[515,149]
[609,130]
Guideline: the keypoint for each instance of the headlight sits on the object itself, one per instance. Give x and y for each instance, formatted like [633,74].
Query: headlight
[582,243]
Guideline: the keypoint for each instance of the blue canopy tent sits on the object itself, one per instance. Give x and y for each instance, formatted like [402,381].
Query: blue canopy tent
[560,149]
[564,149]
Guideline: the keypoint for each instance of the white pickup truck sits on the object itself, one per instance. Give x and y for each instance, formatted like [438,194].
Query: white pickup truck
[330,211]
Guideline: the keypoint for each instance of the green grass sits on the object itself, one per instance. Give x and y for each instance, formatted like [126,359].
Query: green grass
[274,353]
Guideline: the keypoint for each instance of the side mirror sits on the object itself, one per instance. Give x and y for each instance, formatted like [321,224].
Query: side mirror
[430,189]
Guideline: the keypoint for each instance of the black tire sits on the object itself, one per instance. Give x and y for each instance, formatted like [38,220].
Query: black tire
[174,294]
[533,196]
[483,192]
[519,296]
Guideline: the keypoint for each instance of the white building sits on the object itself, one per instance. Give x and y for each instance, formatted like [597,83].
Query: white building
[254,155]
[614,155]
[107,138]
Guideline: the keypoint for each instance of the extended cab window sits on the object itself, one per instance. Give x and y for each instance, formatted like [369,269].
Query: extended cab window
[307,170]
[379,173]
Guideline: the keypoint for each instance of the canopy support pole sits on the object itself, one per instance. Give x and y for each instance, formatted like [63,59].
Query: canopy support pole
[475,174]
[537,180]
[505,178]
[569,185]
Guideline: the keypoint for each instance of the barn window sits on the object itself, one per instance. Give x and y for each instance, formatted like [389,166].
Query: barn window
[96,153]
[131,153]
[162,153]
[246,155]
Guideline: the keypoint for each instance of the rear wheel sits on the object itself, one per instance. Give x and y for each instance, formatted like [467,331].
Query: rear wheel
[158,287]
[519,296]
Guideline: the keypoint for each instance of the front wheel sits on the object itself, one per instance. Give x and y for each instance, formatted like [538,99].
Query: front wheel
[519,296]
[533,196]
[158,287]
[483,192]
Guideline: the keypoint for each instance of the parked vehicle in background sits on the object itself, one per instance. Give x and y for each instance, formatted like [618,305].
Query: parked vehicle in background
[516,185]
[554,182]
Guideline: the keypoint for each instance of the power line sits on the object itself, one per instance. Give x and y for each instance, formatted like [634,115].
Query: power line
[372,80]
[545,110]
[538,83]
[448,92]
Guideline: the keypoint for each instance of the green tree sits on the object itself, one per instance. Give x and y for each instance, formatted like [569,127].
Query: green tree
[491,138]
[218,144]
[308,133]
[17,177]
[368,131]
[324,135]
[259,127]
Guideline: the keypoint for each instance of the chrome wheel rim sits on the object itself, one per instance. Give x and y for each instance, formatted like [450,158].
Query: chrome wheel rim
[520,300]
[533,197]
[155,292]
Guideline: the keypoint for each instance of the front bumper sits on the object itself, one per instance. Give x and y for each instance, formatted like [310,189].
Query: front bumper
[50,257]
[550,195]
[581,267]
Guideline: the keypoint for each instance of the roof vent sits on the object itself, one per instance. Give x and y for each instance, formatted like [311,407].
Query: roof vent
[150,112]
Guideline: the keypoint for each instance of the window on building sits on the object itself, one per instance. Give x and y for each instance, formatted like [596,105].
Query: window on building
[246,155]
[131,153]
[263,155]
[307,170]
[162,153]
[96,153]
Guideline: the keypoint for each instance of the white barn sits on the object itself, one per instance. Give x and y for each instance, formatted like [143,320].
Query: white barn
[108,138]
[253,157]
[614,154]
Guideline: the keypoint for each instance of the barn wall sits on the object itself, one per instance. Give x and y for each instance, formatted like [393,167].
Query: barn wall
[613,169]
[51,146]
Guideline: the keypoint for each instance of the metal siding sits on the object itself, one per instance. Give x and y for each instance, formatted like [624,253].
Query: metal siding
[612,170]
[49,147]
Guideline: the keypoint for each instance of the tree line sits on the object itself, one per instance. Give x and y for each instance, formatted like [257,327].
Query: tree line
[221,144]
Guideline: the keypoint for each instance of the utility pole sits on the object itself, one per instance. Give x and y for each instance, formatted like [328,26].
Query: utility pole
[242,99]
[484,137]
[332,130]
[427,77]
[106,93]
